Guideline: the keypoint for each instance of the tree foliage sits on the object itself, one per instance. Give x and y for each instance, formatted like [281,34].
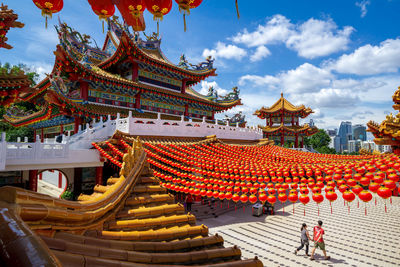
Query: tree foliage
[12,132]
[320,142]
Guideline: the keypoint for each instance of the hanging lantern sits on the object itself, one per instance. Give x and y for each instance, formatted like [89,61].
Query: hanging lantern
[158,8]
[349,197]
[49,7]
[185,6]
[304,199]
[365,196]
[318,198]
[104,11]
[384,193]
[331,196]
[132,12]
[252,199]
[293,198]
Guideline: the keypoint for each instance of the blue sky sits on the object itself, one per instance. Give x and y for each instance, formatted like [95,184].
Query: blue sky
[341,57]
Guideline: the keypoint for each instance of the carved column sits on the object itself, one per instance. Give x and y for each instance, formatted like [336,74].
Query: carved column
[84,89]
[135,71]
[99,175]
[183,87]
[296,141]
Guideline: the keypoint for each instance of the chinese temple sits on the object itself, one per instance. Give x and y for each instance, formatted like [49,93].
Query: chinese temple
[388,132]
[127,75]
[282,122]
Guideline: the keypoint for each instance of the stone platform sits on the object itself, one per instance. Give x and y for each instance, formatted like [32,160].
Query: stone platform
[352,239]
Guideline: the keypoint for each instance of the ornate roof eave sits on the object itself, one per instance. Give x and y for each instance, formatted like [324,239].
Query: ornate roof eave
[41,115]
[283,105]
[127,47]
[396,99]
[100,74]
[305,128]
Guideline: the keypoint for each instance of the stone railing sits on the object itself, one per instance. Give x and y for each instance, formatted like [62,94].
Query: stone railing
[158,127]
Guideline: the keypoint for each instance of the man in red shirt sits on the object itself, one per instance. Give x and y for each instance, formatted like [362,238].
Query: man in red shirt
[318,240]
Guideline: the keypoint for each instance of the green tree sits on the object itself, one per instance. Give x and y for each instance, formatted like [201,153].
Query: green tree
[12,132]
[320,142]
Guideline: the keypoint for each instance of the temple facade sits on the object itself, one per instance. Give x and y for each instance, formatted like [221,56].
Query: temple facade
[282,122]
[388,132]
[127,75]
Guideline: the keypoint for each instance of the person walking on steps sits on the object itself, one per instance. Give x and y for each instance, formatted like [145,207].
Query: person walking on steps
[318,240]
[189,201]
[305,236]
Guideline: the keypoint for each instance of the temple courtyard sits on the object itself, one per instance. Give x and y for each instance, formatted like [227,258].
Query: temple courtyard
[352,239]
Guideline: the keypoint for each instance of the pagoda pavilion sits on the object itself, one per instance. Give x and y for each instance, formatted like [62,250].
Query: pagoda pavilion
[282,122]
[128,74]
[388,132]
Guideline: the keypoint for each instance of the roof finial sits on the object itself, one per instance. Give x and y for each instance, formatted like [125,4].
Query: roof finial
[281,94]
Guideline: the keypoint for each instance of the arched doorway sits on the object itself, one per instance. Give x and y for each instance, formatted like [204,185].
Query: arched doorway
[52,182]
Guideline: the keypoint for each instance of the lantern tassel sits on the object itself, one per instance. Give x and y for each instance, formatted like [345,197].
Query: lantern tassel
[358,204]
[235,208]
[184,22]
[46,22]
[365,209]
[293,208]
[331,206]
[221,204]
[228,204]
[304,210]
[385,207]
[318,210]
[237,9]
[390,200]
[158,28]
[348,206]
[102,24]
[375,201]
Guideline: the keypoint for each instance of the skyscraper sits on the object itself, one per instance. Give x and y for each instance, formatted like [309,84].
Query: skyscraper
[345,134]
[360,132]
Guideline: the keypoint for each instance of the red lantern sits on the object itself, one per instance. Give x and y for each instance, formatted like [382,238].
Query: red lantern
[158,8]
[104,11]
[252,199]
[49,7]
[244,198]
[132,12]
[304,199]
[262,197]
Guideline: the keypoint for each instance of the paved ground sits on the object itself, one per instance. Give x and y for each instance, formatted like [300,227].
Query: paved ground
[352,239]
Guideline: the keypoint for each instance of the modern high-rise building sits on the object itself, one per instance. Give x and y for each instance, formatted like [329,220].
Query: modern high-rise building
[354,145]
[360,132]
[345,134]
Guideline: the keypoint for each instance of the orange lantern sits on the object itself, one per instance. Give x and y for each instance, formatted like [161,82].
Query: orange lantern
[49,7]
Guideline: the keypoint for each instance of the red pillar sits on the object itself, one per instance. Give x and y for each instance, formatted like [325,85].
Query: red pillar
[212,115]
[61,129]
[99,175]
[137,100]
[296,141]
[84,89]
[135,71]
[186,114]
[33,180]
[282,139]
[34,135]
[292,119]
[270,120]
[76,125]
[183,87]
[40,176]
[282,117]
[301,143]
[41,135]
[60,175]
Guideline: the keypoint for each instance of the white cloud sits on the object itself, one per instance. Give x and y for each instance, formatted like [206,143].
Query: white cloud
[311,39]
[225,51]
[368,59]
[316,38]
[277,29]
[363,7]
[328,98]
[260,53]
[305,78]
[260,81]
[40,68]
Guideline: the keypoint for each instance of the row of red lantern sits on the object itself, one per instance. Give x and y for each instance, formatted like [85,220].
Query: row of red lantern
[106,155]
[131,10]
[114,149]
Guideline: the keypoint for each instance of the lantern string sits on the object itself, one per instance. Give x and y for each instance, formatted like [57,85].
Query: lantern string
[184,22]
[237,9]
[331,206]
[293,208]
[158,28]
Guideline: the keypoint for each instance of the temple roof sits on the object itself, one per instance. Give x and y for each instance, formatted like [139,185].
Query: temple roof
[283,104]
[396,99]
